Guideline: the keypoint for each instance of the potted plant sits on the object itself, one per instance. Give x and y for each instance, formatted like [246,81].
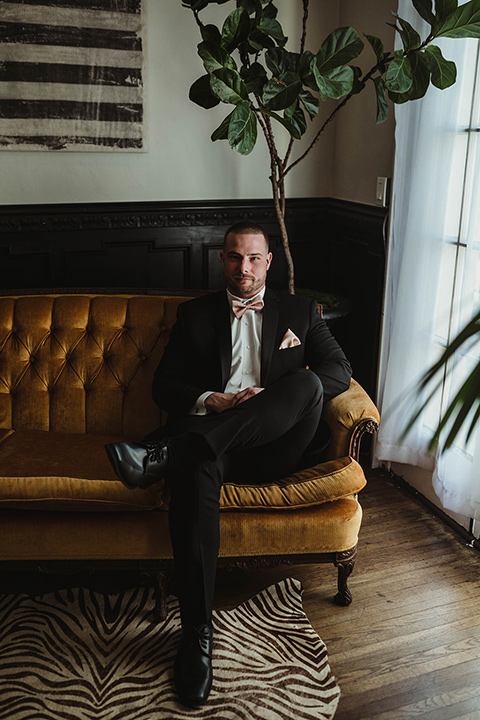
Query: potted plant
[248,68]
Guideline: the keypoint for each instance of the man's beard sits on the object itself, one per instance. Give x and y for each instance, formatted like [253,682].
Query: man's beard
[251,288]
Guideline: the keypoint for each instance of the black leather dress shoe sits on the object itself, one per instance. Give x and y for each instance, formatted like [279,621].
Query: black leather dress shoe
[193,666]
[139,464]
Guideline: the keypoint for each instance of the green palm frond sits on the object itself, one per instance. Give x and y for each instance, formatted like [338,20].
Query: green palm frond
[465,402]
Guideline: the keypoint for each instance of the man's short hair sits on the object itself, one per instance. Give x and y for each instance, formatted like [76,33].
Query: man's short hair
[246,227]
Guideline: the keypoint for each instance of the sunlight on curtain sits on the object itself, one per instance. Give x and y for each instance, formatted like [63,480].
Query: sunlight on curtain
[433,272]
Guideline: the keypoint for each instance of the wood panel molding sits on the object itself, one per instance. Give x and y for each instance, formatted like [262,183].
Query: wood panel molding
[338,247]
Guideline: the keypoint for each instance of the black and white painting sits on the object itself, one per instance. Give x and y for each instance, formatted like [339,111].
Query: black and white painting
[71,75]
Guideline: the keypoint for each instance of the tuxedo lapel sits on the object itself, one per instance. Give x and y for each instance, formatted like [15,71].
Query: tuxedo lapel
[224,335]
[269,331]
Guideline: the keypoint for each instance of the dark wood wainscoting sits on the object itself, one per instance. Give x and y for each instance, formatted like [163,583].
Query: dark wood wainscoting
[338,247]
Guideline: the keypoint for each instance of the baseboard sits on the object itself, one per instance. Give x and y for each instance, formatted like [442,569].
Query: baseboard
[462,532]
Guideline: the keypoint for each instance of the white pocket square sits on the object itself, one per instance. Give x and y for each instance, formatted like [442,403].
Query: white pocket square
[289,340]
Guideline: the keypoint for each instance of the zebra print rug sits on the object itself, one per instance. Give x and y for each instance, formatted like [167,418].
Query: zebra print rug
[81,655]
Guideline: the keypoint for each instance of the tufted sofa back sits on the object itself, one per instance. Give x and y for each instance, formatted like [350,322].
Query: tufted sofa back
[82,363]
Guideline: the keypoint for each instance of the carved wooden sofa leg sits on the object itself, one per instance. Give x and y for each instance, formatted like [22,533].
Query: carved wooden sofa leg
[158,581]
[345,562]
[160,596]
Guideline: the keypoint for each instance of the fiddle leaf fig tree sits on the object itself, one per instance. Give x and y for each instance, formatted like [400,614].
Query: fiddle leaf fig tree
[247,66]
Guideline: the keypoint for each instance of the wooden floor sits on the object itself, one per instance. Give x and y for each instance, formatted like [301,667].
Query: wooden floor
[409,645]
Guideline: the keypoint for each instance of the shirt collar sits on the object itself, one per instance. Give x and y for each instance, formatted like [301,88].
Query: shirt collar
[231,296]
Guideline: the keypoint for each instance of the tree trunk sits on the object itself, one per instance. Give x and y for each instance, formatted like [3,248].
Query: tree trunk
[278,190]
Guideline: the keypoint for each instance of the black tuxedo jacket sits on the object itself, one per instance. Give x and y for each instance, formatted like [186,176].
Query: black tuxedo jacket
[198,355]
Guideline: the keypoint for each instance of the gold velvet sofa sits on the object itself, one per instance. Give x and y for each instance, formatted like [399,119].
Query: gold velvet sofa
[75,373]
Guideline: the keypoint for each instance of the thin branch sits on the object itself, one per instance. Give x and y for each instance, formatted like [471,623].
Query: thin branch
[281,187]
[261,121]
[302,49]
[266,128]
[386,60]
[317,136]
[304,26]
[275,154]
[197,18]
[289,150]
[279,201]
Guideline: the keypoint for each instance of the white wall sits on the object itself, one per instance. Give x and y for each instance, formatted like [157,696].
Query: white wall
[363,149]
[181,162]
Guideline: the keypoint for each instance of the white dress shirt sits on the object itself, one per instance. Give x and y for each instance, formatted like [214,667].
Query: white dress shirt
[245,369]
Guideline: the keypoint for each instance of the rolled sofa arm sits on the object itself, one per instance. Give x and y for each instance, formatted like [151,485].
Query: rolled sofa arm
[349,416]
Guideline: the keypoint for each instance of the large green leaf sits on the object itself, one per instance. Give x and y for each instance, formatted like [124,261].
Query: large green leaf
[382,105]
[358,83]
[258,41]
[304,64]
[463,23]
[278,61]
[420,83]
[298,120]
[211,34]
[221,133]
[424,9]
[251,6]
[310,103]
[288,112]
[242,130]
[235,29]
[228,86]
[335,84]
[201,93]
[273,29]
[444,72]
[377,46]
[444,8]
[410,38]
[399,77]
[304,69]
[340,47]
[254,77]
[280,93]
[215,57]
[270,11]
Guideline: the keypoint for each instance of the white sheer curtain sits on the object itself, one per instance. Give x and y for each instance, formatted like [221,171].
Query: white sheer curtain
[433,273]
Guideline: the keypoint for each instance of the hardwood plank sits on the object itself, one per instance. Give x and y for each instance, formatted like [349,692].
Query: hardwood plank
[409,645]
[434,693]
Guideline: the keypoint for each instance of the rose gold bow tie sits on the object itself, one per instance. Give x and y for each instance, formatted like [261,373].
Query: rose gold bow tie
[239,308]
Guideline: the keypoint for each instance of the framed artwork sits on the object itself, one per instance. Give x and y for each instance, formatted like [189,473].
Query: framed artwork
[71,75]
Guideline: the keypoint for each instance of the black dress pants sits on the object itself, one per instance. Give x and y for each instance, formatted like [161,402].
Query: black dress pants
[261,439]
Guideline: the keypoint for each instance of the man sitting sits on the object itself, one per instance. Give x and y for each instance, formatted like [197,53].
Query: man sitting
[241,402]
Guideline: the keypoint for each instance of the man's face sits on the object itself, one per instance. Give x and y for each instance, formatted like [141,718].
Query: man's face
[245,263]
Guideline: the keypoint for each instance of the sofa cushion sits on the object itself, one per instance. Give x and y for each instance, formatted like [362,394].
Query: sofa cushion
[323,483]
[65,471]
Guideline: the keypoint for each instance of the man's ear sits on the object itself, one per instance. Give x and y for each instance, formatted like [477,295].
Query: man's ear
[269,259]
